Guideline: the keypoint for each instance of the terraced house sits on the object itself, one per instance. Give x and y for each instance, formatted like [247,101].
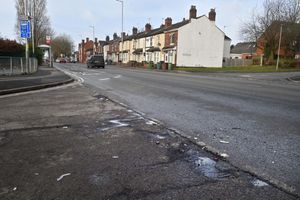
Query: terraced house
[192,42]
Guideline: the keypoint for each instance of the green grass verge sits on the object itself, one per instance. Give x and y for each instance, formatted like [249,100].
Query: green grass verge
[245,69]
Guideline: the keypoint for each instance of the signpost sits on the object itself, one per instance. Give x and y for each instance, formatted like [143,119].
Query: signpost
[25,29]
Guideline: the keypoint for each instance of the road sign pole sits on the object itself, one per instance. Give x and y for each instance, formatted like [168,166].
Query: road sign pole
[26,39]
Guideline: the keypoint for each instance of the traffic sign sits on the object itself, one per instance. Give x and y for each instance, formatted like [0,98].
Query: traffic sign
[25,29]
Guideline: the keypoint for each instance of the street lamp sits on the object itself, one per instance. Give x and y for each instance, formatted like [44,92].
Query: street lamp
[279,47]
[122,2]
[93,27]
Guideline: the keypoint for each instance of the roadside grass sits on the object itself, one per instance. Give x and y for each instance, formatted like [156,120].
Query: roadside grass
[241,69]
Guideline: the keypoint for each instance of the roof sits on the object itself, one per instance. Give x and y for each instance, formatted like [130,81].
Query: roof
[227,38]
[177,25]
[244,47]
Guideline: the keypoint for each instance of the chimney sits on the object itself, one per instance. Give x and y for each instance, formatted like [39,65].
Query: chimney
[183,19]
[212,15]
[87,39]
[168,22]
[82,41]
[107,38]
[115,36]
[123,34]
[193,12]
[147,27]
[134,30]
[96,40]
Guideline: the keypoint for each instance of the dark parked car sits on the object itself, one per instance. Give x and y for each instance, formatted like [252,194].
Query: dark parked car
[96,61]
[62,60]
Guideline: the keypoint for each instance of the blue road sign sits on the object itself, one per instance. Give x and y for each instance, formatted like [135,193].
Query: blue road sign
[25,29]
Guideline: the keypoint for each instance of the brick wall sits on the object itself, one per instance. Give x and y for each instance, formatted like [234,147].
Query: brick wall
[168,36]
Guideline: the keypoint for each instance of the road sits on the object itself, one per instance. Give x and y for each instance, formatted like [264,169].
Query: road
[254,118]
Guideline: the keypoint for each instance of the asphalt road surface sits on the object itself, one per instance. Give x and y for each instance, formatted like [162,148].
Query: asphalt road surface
[254,118]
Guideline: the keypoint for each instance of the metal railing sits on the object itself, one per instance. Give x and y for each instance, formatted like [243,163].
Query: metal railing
[17,65]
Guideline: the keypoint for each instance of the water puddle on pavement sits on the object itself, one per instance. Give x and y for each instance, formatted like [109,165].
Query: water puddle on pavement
[207,166]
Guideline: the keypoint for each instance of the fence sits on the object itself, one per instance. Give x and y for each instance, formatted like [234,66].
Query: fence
[17,65]
[237,62]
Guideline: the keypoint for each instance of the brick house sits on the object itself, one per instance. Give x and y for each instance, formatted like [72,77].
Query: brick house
[87,47]
[268,41]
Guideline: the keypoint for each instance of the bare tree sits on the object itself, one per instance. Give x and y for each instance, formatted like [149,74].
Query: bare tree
[62,44]
[266,25]
[37,9]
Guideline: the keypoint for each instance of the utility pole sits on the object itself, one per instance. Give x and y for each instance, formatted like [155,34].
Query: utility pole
[93,27]
[26,39]
[32,25]
[279,47]
[122,38]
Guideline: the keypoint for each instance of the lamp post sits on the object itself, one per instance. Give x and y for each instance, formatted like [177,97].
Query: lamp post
[93,27]
[279,47]
[122,2]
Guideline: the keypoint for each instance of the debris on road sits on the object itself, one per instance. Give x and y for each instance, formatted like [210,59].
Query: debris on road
[150,122]
[15,188]
[65,127]
[62,176]
[224,155]
[115,157]
[224,142]
[259,183]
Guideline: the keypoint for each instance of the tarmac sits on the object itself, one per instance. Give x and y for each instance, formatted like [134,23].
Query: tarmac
[70,142]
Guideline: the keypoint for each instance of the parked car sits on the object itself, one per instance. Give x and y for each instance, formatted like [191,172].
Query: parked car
[62,60]
[96,61]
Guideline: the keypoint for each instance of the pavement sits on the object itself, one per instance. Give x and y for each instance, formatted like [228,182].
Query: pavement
[71,142]
[44,77]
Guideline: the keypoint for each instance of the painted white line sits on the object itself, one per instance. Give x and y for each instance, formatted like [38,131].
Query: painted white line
[104,79]
[118,76]
[246,76]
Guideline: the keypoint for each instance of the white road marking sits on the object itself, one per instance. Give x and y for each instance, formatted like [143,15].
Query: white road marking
[118,76]
[104,79]
[246,76]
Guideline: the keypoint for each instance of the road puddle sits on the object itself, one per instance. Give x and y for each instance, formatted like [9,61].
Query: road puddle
[207,166]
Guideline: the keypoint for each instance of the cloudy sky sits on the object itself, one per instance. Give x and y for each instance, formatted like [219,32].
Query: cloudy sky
[74,17]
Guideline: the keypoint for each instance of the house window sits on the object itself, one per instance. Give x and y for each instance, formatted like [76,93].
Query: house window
[158,40]
[172,39]
[151,41]
[134,44]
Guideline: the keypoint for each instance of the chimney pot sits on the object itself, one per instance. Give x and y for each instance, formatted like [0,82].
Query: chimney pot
[107,38]
[148,27]
[168,22]
[134,30]
[193,12]
[82,41]
[212,15]
[87,39]
[115,36]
